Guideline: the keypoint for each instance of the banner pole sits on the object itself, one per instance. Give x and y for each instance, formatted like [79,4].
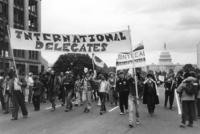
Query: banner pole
[11,50]
[93,61]
[134,70]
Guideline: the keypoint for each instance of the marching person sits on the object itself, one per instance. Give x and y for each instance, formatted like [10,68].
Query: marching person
[53,85]
[37,87]
[150,95]
[103,89]
[1,93]
[7,94]
[61,78]
[78,90]
[30,83]
[69,90]
[169,92]
[112,91]
[87,92]
[198,98]
[123,90]
[132,101]
[187,93]
[170,86]
[17,98]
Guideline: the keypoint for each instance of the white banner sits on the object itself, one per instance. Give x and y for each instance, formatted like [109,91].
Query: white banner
[92,43]
[125,60]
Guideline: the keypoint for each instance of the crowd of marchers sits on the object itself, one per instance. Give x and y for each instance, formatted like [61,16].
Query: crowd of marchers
[116,89]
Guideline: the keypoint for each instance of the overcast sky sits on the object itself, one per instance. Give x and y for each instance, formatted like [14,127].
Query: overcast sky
[176,22]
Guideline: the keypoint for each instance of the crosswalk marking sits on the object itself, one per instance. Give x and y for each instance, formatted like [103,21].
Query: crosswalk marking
[57,106]
[113,109]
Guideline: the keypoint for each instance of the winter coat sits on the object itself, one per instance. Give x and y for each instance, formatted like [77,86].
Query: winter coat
[150,94]
[122,85]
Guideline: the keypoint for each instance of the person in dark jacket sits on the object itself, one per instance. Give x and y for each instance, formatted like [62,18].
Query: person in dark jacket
[150,96]
[53,87]
[170,86]
[37,87]
[123,90]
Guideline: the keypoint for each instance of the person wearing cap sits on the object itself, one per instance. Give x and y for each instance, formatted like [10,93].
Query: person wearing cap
[30,83]
[150,95]
[122,88]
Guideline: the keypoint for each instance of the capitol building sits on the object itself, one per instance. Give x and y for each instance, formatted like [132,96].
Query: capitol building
[164,62]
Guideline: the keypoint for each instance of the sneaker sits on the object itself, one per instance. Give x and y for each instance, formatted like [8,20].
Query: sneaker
[190,125]
[12,119]
[66,110]
[6,112]
[182,125]
[122,113]
[130,125]
[137,122]
[25,116]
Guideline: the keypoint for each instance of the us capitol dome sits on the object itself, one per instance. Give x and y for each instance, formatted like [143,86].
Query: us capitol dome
[165,57]
[164,62]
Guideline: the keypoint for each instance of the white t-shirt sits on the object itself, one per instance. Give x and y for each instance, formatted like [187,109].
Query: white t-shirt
[30,81]
[103,86]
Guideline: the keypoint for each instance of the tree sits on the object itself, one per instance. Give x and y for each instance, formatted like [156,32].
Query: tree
[73,62]
[188,68]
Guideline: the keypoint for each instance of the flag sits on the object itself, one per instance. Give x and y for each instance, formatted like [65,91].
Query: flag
[98,61]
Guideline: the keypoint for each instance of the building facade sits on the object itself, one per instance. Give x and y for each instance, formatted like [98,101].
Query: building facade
[164,63]
[26,15]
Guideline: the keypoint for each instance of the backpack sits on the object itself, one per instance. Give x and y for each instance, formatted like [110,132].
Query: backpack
[190,88]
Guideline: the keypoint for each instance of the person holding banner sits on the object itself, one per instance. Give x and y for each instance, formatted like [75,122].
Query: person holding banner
[123,90]
[150,95]
[103,89]
[17,98]
[132,102]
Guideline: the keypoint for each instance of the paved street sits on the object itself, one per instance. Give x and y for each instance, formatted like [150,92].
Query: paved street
[59,122]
